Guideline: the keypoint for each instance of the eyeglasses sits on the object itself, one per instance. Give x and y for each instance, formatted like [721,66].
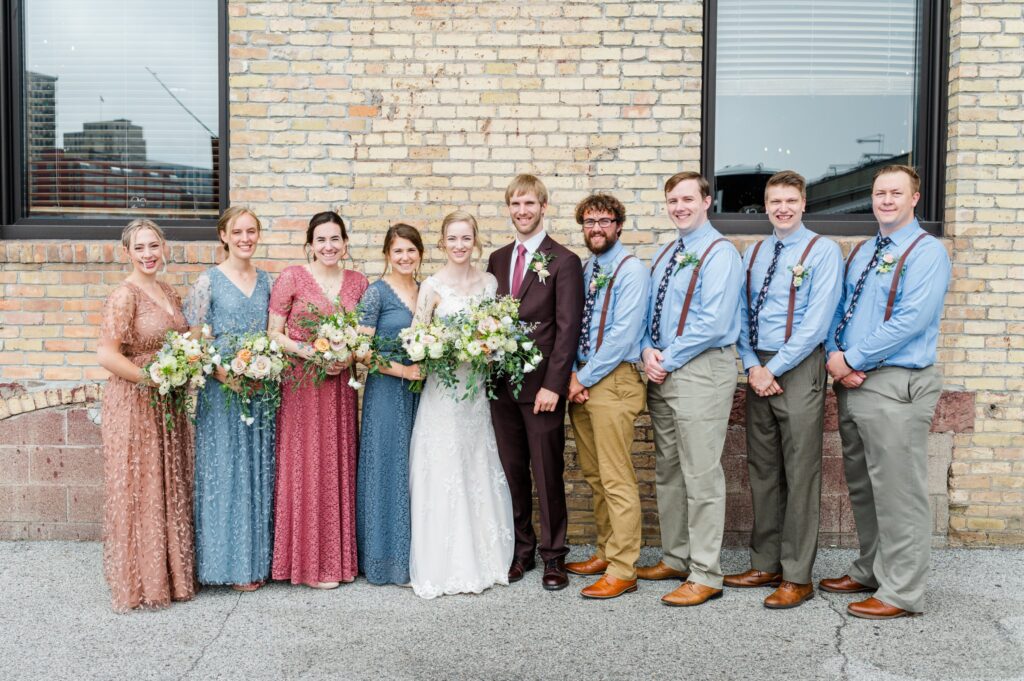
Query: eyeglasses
[603,223]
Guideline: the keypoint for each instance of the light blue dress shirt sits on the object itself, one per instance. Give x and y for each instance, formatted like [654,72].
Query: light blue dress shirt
[714,318]
[909,338]
[627,313]
[816,300]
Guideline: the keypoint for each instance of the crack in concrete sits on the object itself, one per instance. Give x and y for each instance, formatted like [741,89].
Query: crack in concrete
[220,631]
[843,621]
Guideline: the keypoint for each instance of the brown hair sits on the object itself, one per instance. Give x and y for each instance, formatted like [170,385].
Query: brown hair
[787,178]
[227,219]
[136,226]
[461,216]
[915,179]
[601,203]
[526,184]
[323,218]
[705,188]
[400,230]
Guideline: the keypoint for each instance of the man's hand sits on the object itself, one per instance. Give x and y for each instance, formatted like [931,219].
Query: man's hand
[652,365]
[545,401]
[853,380]
[578,394]
[763,382]
[837,367]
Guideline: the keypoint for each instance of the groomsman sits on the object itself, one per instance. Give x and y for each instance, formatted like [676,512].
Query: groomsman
[793,283]
[607,393]
[693,320]
[881,349]
[547,278]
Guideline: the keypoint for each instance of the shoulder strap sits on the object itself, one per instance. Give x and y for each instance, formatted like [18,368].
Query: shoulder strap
[607,300]
[849,261]
[660,256]
[750,267]
[896,277]
[693,286]
[792,290]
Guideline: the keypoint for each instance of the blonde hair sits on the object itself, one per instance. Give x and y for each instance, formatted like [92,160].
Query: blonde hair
[461,216]
[136,226]
[227,219]
[915,179]
[526,184]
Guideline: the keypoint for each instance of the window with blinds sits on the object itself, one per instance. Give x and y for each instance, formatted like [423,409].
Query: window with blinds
[120,108]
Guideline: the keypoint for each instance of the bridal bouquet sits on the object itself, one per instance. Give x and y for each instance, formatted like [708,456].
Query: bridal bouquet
[255,372]
[431,345]
[336,338]
[495,343]
[181,364]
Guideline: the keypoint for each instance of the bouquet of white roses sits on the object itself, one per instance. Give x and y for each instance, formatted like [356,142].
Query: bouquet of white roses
[255,372]
[181,365]
[336,338]
[431,346]
[495,343]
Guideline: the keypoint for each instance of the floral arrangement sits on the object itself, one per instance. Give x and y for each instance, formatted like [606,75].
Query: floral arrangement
[599,280]
[255,372]
[539,265]
[336,338]
[684,260]
[179,366]
[431,345]
[888,262]
[800,272]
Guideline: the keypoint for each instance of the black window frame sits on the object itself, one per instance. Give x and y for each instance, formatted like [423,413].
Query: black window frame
[931,132]
[13,223]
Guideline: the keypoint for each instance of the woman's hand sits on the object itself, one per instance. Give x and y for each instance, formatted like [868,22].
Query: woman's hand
[411,373]
[334,368]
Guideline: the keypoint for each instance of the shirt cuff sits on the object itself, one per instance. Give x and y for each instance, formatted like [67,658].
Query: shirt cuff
[854,359]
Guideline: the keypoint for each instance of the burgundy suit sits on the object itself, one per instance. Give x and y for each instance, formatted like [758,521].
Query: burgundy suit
[527,440]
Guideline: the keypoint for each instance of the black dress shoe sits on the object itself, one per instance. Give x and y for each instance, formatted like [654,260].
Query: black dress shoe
[555,576]
[518,569]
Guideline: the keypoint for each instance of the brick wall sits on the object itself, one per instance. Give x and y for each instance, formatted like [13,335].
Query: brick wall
[405,110]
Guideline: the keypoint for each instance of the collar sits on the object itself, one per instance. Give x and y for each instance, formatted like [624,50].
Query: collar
[799,235]
[696,236]
[903,234]
[607,258]
[534,242]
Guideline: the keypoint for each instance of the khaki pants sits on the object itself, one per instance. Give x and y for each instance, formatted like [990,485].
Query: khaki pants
[604,439]
[784,460]
[884,425]
[690,415]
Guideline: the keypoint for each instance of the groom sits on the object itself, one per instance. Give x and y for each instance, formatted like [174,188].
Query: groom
[547,278]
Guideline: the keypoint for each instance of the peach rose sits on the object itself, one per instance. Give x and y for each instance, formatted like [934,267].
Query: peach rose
[321,345]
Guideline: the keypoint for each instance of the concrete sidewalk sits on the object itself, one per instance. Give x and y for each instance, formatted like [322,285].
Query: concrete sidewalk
[56,623]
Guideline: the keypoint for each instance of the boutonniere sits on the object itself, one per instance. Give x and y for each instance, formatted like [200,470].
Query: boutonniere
[800,272]
[684,260]
[888,262]
[539,265]
[599,281]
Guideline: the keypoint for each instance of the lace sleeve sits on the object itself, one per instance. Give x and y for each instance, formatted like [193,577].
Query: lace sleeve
[426,301]
[282,293]
[197,304]
[490,285]
[369,307]
[119,316]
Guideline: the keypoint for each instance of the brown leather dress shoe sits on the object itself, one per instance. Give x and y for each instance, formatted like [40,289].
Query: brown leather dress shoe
[590,566]
[660,571]
[874,609]
[609,587]
[518,569]
[691,593]
[789,595]
[752,578]
[554,575]
[844,585]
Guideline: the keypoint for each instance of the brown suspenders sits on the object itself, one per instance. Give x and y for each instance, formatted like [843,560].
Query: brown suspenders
[693,282]
[896,277]
[607,301]
[792,288]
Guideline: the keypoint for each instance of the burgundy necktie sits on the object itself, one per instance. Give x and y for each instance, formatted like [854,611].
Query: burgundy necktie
[517,272]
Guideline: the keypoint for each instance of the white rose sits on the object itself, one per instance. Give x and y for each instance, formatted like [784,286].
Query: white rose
[155,375]
[178,379]
[260,345]
[260,367]
[416,352]
[238,366]
[511,345]
[436,350]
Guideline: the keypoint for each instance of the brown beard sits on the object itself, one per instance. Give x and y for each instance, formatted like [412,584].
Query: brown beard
[608,243]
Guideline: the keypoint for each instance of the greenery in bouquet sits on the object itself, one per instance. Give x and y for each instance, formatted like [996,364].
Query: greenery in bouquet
[180,367]
[335,338]
[254,373]
[495,343]
[431,345]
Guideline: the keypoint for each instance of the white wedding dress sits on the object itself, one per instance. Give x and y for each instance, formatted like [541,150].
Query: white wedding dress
[461,507]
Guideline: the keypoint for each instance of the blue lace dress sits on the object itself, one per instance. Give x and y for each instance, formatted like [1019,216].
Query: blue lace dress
[234,468]
[382,491]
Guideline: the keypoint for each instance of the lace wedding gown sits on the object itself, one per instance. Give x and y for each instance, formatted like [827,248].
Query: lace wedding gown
[461,507]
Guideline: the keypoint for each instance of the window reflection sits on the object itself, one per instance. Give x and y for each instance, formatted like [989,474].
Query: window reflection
[120,108]
[823,87]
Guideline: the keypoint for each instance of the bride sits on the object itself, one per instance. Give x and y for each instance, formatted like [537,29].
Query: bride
[461,507]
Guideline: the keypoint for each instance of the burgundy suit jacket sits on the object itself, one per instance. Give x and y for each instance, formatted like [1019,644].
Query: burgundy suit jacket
[555,306]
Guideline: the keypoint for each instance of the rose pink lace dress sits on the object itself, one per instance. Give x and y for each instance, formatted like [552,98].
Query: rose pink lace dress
[317,446]
[148,553]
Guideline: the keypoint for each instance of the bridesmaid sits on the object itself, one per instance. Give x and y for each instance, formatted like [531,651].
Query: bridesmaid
[234,461]
[147,468]
[315,489]
[382,501]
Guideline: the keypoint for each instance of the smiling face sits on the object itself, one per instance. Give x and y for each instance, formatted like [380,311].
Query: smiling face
[785,207]
[600,239]
[328,246]
[527,213]
[241,237]
[146,252]
[893,200]
[459,242]
[403,256]
[686,207]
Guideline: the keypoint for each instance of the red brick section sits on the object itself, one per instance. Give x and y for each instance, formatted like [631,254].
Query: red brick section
[51,474]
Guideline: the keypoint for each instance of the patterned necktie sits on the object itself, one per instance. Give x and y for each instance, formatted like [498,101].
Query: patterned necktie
[659,299]
[763,294]
[881,246]
[517,272]
[588,311]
